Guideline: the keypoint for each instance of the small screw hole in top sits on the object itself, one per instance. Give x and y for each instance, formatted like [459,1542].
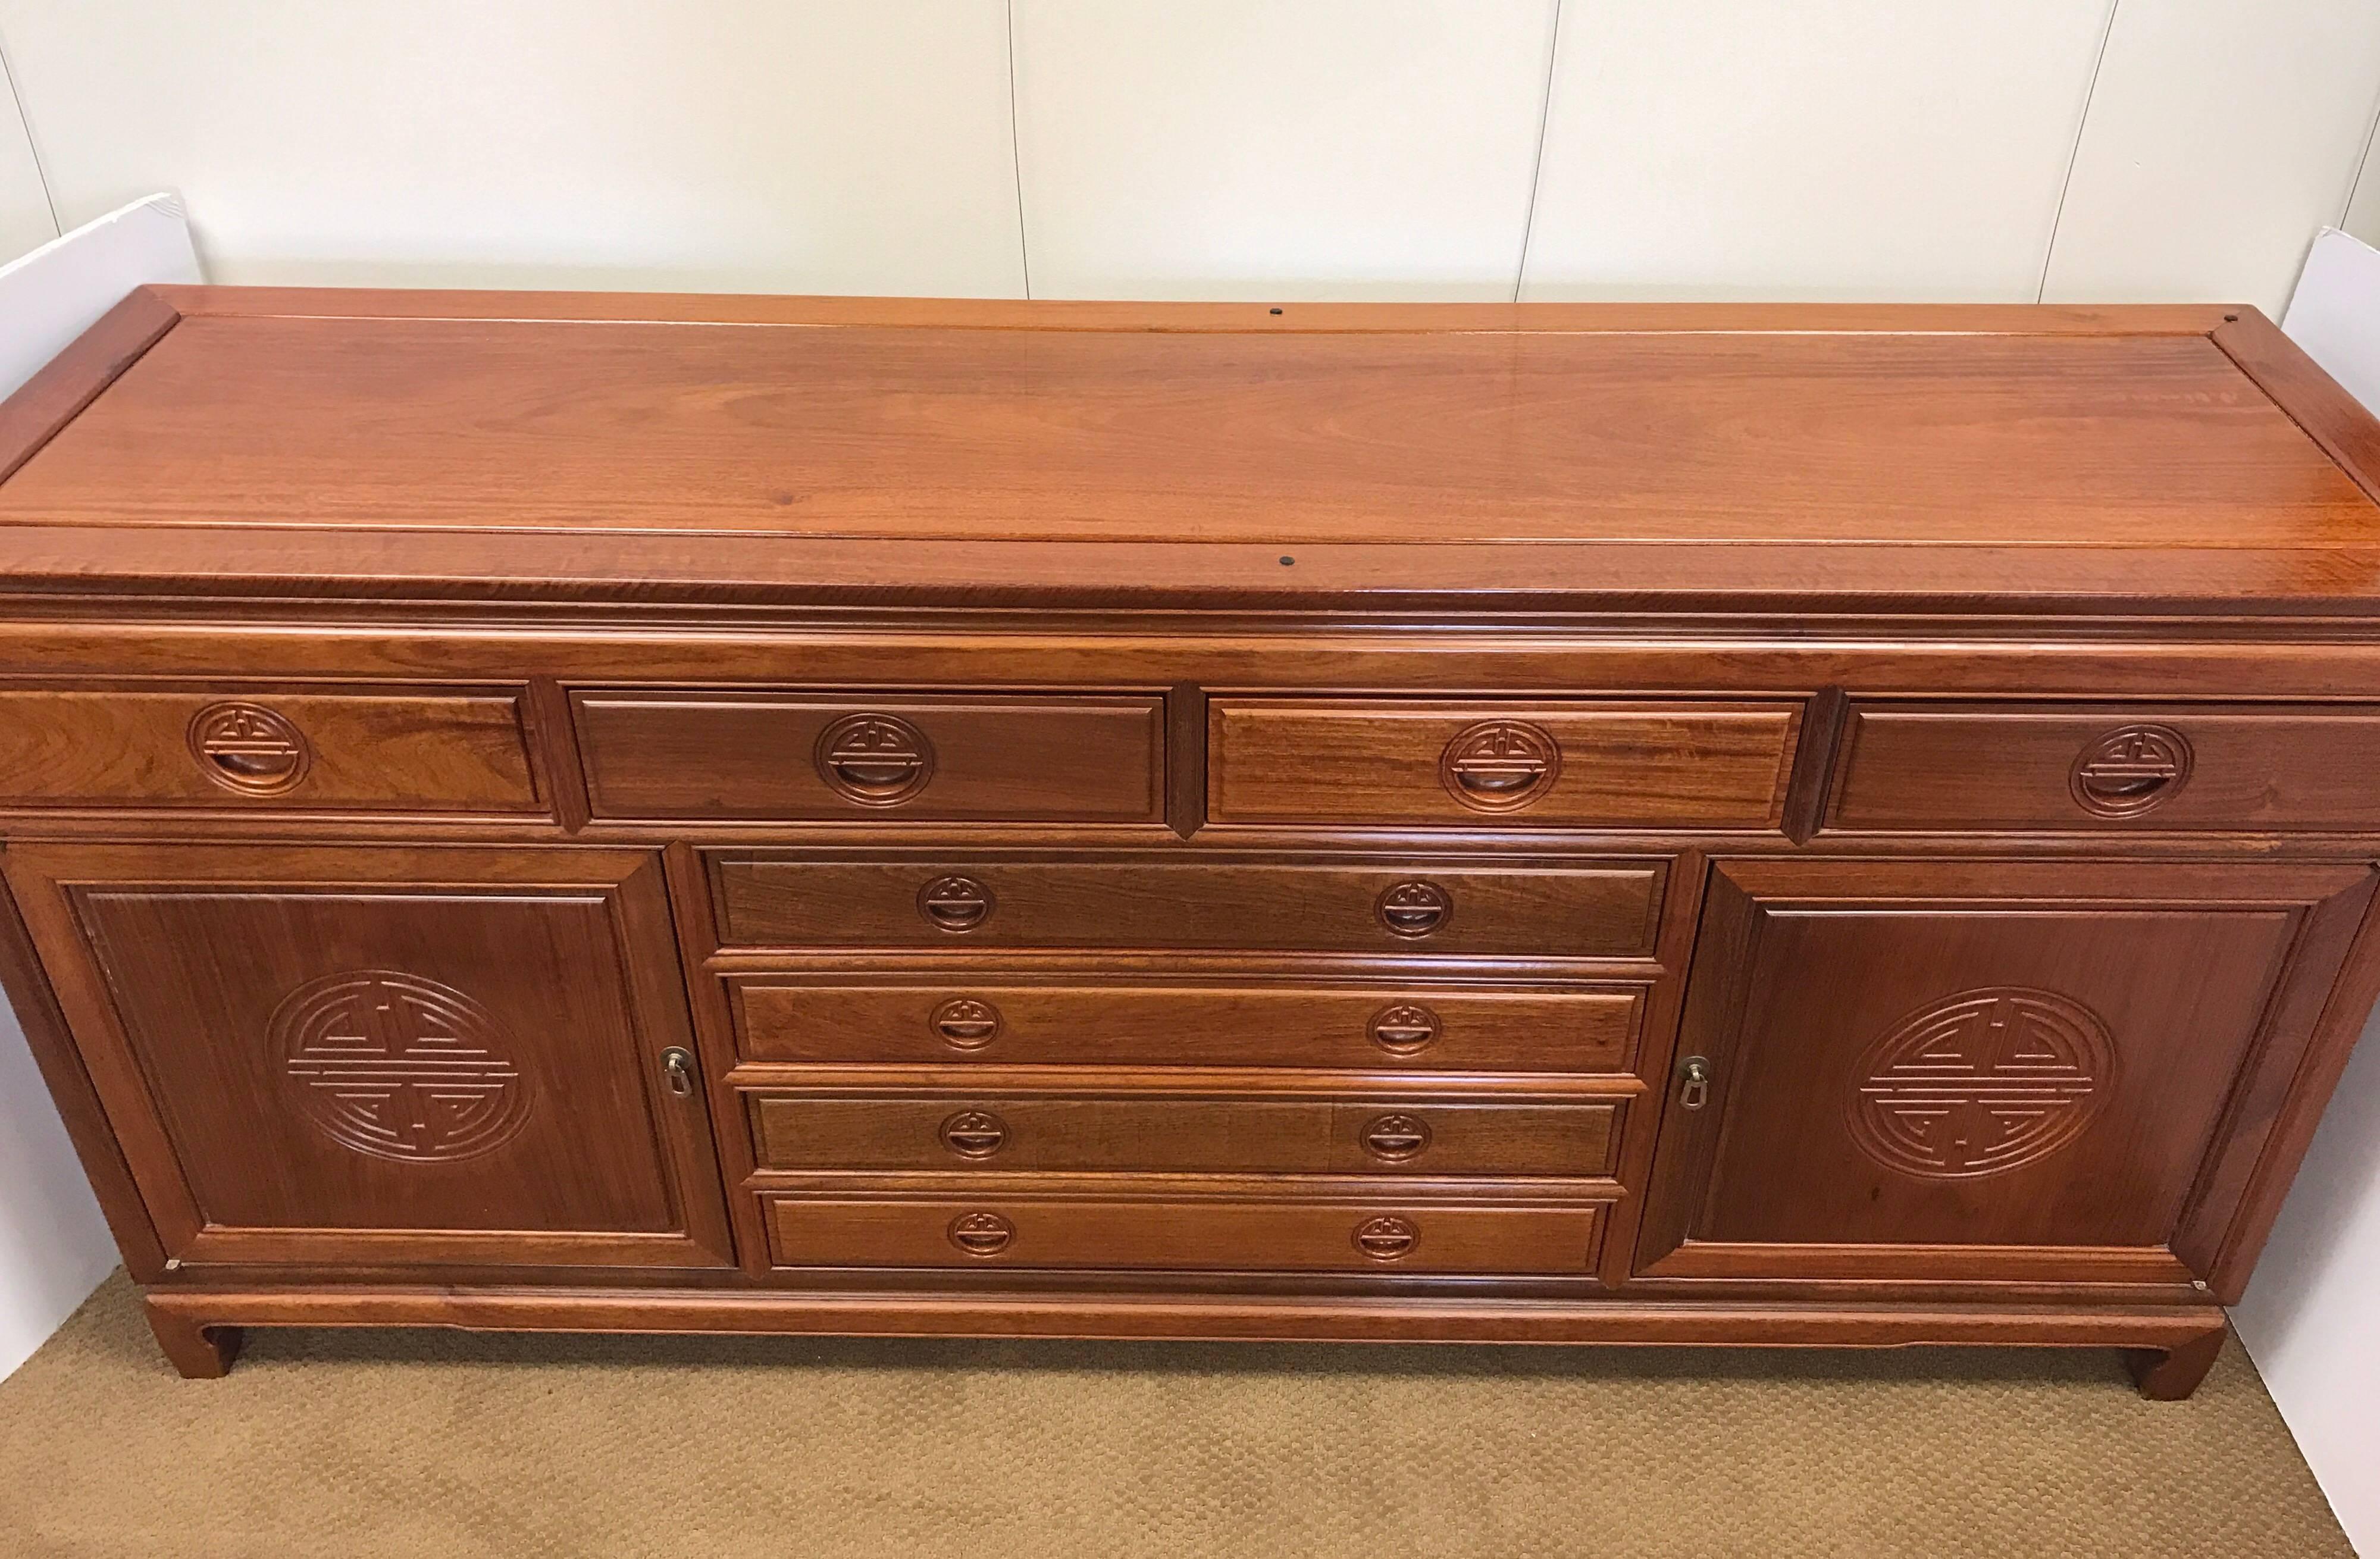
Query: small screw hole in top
[1286,560]
[1276,311]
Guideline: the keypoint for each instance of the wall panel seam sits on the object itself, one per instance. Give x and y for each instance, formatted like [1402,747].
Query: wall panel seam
[2074,153]
[1016,160]
[1538,167]
[32,142]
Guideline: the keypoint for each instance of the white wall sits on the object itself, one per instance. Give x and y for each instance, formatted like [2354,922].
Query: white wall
[25,218]
[2116,149]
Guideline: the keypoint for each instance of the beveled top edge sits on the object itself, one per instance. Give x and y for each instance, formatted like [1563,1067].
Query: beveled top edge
[1288,316]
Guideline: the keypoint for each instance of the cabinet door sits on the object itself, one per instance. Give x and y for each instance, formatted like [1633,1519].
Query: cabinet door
[1984,1071]
[376,1056]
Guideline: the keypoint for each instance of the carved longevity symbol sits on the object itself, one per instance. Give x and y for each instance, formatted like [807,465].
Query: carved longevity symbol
[1499,765]
[875,759]
[2130,770]
[1981,1082]
[247,747]
[400,1068]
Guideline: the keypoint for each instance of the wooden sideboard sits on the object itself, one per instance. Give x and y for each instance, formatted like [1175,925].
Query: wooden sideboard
[1815,826]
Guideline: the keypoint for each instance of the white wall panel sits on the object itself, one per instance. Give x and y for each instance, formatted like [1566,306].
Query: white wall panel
[24,210]
[1759,149]
[2223,133]
[789,145]
[1236,149]
[2363,210]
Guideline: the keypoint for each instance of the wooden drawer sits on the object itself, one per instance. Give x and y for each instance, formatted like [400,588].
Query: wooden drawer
[1409,1026]
[400,749]
[1083,759]
[1153,1133]
[1515,906]
[2089,766]
[1153,1233]
[1540,764]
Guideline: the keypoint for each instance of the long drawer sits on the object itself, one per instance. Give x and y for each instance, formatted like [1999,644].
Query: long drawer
[1156,1134]
[1150,1233]
[1412,1025]
[2098,766]
[1508,905]
[1080,758]
[1542,763]
[238,745]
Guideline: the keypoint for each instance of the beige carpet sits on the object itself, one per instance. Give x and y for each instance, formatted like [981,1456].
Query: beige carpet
[453,1446]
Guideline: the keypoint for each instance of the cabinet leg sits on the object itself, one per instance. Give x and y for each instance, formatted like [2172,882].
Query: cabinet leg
[2171,1375]
[201,1353]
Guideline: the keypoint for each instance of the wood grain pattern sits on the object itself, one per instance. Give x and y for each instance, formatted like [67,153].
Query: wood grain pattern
[1105,781]
[1355,761]
[963,1016]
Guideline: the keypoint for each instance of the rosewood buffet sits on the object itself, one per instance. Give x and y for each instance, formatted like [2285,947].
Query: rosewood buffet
[1812,826]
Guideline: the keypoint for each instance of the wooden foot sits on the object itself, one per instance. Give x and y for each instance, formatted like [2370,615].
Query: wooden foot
[201,1353]
[2171,1375]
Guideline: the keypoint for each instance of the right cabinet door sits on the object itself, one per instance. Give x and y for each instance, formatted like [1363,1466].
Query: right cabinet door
[1979,1071]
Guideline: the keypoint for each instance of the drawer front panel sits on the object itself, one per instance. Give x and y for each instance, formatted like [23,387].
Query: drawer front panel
[946,1131]
[1509,906]
[233,747]
[1412,1025]
[1540,764]
[815,756]
[1154,1235]
[2109,766]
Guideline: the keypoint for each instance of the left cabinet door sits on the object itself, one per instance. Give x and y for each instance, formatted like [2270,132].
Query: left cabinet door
[387,1056]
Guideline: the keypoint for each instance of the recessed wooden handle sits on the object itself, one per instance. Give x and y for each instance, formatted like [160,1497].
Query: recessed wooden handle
[964,1023]
[1396,1138]
[250,748]
[1499,765]
[981,1234]
[1406,1028]
[1413,908]
[975,1134]
[1388,1238]
[955,904]
[2131,770]
[874,760]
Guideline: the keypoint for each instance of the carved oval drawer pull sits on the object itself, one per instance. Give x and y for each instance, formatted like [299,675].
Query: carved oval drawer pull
[1407,1028]
[955,904]
[1415,908]
[1387,1238]
[975,1134]
[1396,1138]
[875,759]
[1499,765]
[981,1234]
[2131,770]
[964,1023]
[250,748]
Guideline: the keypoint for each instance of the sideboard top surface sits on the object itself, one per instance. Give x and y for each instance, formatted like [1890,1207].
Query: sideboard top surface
[542,440]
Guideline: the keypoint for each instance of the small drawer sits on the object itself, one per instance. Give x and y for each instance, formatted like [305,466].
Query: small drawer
[1128,1232]
[1508,905]
[1538,764]
[1412,1025]
[1155,1134]
[2094,766]
[393,750]
[808,756]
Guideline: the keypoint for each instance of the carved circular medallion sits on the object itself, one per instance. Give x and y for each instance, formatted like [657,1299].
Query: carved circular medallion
[964,1023]
[1981,1082]
[2131,770]
[1397,1137]
[955,904]
[875,759]
[399,1067]
[1387,1238]
[1413,908]
[247,747]
[975,1134]
[1499,765]
[1406,1028]
[981,1234]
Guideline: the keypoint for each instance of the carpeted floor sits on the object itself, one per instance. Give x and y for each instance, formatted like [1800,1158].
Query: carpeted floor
[434,1444]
